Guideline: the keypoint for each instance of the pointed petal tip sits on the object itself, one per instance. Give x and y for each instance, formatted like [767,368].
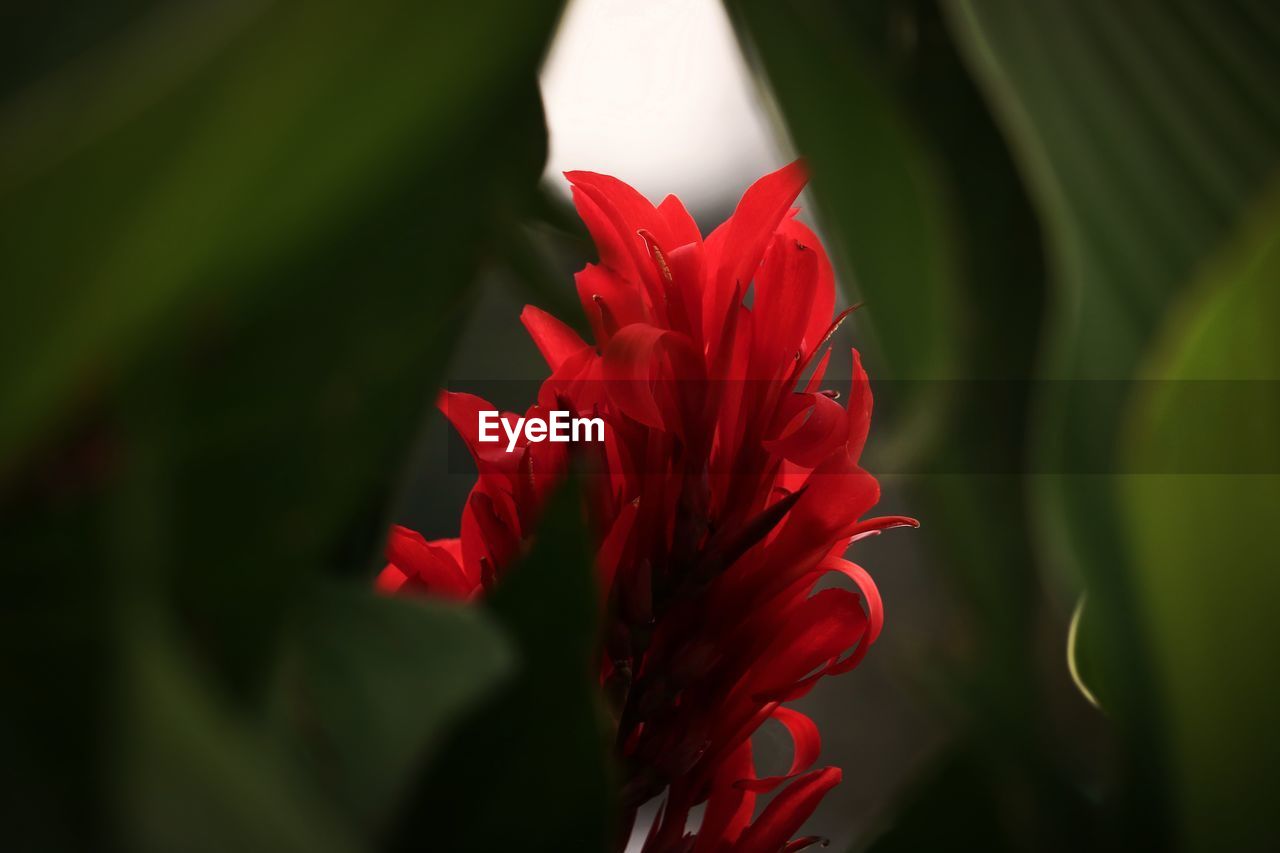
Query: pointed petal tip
[797,169]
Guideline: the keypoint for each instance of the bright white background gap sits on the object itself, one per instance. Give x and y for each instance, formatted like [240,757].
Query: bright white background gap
[657,94]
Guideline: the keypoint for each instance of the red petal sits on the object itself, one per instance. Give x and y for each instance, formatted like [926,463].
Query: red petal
[859,408]
[627,209]
[815,426]
[629,213]
[785,288]
[390,579]
[826,336]
[463,412]
[425,563]
[872,526]
[731,804]
[839,493]
[821,629]
[686,286]
[683,228]
[807,744]
[737,246]
[597,285]
[866,586]
[554,339]
[651,373]
[614,253]
[787,811]
[815,378]
[823,301]
[610,554]
[499,536]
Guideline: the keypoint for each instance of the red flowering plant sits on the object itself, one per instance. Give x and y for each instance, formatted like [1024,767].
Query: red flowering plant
[729,486]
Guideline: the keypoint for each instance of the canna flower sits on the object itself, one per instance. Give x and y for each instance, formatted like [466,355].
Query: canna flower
[728,486]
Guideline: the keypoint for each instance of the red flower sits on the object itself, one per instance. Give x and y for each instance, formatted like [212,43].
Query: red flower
[730,486]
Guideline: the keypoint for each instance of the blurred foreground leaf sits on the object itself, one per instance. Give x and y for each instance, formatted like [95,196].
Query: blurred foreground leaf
[962,802]
[874,180]
[1143,131]
[195,776]
[530,770]
[1206,555]
[237,240]
[369,684]
[141,178]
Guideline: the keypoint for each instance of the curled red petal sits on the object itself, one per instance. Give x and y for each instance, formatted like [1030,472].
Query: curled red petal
[770,832]
[806,744]
[815,635]
[815,426]
[870,593]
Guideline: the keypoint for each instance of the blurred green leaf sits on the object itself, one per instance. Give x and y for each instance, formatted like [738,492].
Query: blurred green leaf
[530,771]
[369,683]
[193,776]
[263,216]
[1143,131]
[238,239]
[1206,554]
[874,179]
[35,43]
[201,152]
[962,801]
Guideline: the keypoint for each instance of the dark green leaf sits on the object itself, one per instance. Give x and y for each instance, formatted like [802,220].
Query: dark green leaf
[968,801]
[194,776]
[530,771]
[369,684]
[145,180]
[1143,130]
[875,182]
[237,240]
[1206,553]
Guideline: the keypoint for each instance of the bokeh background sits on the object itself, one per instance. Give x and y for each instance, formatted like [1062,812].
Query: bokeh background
[243,243]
